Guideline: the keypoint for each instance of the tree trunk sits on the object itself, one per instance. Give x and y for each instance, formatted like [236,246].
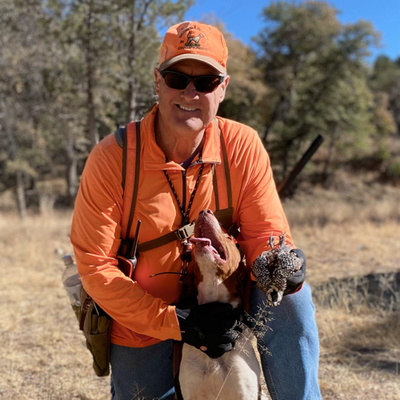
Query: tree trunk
[136,24]
[91,120]
[20,193]
[19,175]
[131,104]
[71,169]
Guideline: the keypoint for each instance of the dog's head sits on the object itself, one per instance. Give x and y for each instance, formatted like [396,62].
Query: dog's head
[216,256]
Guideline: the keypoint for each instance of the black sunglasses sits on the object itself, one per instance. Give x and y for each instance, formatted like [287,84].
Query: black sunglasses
[202,83]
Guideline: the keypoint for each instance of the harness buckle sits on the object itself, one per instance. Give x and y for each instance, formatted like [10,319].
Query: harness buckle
[185,232]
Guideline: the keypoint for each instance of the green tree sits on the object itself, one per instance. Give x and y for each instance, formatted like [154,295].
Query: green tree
[24,58]
[385,79]
[246,96]
[70,72]
[117,45]
[385,84]
[315,69]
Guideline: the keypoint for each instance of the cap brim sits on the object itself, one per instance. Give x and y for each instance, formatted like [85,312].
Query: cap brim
[197,57]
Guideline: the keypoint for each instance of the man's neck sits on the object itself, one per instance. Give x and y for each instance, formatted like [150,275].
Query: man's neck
[176,147]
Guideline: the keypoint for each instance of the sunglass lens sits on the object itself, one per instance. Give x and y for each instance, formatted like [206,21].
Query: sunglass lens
[176,81]
[207,84]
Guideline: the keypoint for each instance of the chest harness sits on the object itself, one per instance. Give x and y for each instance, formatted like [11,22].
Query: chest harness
[130,246]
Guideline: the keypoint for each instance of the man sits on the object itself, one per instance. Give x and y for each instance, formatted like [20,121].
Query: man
[181,152]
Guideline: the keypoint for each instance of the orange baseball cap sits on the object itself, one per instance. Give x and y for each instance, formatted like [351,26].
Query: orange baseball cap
[194,41]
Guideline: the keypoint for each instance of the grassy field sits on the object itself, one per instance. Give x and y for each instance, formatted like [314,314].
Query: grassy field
[346,234]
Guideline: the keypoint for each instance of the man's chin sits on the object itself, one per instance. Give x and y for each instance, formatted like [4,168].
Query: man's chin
[190,125]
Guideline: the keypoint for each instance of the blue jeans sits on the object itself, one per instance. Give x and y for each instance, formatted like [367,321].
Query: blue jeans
[142,373]
[291,370]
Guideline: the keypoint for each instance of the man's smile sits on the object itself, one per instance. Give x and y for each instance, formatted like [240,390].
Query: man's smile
[186,108]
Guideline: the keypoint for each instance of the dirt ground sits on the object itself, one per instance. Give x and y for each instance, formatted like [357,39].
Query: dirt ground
[345,239]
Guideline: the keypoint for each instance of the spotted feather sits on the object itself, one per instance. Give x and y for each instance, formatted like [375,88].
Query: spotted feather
[272,268]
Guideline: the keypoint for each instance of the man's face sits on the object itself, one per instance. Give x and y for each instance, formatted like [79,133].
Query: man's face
[186,110]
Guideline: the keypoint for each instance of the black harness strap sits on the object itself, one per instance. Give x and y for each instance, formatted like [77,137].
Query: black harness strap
[224,216]
[136,184]
[215,185]
[226,169]
[122,132]
[180,234]
[127,242]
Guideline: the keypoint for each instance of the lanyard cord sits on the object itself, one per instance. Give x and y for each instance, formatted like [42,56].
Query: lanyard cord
[187,246]
[185,214]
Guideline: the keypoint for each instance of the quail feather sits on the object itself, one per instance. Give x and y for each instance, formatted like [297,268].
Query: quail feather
[272,268]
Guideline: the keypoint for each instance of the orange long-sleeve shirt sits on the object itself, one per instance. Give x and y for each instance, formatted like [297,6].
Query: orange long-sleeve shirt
[142,308]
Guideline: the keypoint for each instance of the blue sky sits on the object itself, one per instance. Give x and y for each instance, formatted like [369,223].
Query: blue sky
[243,18]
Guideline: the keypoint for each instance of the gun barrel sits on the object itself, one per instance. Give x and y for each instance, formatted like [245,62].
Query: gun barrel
[288,181]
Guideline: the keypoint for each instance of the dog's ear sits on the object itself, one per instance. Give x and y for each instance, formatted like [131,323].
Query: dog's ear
[241,272]
[232,250]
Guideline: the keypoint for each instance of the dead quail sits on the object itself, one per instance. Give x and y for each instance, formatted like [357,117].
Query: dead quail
[272,268]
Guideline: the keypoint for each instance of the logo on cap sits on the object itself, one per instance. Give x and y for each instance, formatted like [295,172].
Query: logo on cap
[193,41]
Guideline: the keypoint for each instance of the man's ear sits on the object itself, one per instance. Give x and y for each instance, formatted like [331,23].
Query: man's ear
[157,78]
[224,85]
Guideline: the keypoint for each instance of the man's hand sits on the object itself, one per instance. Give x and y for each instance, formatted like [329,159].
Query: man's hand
[295,281]
[212,328]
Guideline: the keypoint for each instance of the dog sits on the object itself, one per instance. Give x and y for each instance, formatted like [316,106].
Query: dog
[218,278]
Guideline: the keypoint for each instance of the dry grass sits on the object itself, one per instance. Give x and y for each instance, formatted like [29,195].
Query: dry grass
[43,355]
[345,235]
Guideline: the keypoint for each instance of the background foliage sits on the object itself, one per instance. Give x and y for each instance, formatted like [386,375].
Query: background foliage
[71,71]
